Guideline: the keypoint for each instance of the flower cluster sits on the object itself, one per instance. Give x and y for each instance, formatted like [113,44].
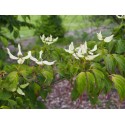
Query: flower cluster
[48,40]
[82,51]
[106,39]
[20,59]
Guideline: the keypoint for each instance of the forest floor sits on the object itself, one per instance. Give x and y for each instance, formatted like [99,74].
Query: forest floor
[60,98]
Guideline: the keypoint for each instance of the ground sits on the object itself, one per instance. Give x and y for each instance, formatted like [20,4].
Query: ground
[60,98]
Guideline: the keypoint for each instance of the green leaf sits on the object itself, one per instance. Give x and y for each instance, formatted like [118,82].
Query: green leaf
[12,102]
[25,70]
[98,73]
[24,85]
[4,107]
[110,63]
[119,84]
[4,95]
[3,55]
[36,88]
[111,46]
[19,91]
[4,41]
[12,81]
[9,68]
[10,27]
[19,100]
[107,84]
[120,47]
[48,77]
[99,77]
[44,92]
[81,82]
[73,69]
[121,62]
[90,82]
[74,94]
[96,66]
[1,64]
[16,33]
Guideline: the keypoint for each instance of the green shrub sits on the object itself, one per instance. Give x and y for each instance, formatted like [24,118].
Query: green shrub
[51,24]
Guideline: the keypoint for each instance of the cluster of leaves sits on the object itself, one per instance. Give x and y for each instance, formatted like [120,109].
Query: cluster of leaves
[12,25]
[103,74]
[100,18]
[51,24]
[21,85]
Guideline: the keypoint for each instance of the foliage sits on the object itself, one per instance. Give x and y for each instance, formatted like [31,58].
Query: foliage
[12,25]
[93,68]
[100,18]
[50,25]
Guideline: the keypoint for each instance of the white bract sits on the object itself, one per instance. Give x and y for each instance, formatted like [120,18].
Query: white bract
[106,39]
[48,40]
[71,50]
[40,61]
[99,35]
[121,17]
[82,51]
[20,59]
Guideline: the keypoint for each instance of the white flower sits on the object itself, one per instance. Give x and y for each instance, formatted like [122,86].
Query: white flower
[99,35]
[20,59]
[40,61]
[107,39]
[48,40]
[83,52]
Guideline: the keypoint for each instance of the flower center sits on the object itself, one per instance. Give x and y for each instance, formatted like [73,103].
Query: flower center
[20,56]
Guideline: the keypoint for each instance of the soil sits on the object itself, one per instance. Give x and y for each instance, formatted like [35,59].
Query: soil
[60,98]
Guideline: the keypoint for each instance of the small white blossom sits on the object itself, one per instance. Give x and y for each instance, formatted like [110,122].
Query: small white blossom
[40,61]
[84,53]
[20,59]
[48,40]
[106,39]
